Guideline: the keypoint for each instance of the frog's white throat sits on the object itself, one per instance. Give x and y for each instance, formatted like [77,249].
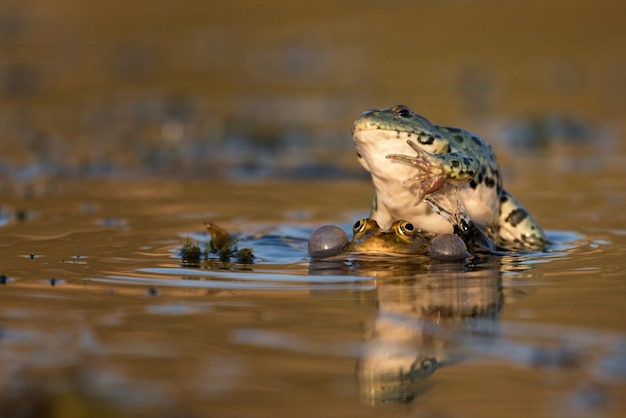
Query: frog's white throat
[373,146]
[387,175]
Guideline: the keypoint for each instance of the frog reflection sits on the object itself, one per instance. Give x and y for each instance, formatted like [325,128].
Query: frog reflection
[423,324]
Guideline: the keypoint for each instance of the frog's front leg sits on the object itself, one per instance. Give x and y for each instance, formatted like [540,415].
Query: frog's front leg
[434,170]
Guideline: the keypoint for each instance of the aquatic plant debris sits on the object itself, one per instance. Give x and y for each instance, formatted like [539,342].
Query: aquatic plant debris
[222,243]
[229,251]
[220,238]
[191,254]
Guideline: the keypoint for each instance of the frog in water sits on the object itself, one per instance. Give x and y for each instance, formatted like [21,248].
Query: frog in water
[454,170]
[401,238]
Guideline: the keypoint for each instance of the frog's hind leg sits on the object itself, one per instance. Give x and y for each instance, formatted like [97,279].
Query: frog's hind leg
[517,226]
[447,203]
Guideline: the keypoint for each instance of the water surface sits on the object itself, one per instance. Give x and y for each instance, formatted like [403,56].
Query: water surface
[100,314]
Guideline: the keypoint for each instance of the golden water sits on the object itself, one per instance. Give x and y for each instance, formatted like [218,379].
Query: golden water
[126,329]
[124,126]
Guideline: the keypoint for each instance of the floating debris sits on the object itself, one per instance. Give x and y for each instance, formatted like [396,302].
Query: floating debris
[245,256]
[224,245]
[191,254]
[220,238]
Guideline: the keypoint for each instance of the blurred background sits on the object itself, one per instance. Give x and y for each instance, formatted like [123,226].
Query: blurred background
[232,89]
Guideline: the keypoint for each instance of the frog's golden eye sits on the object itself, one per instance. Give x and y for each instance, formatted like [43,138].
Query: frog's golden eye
[402,111]
[359,226]
[407,228]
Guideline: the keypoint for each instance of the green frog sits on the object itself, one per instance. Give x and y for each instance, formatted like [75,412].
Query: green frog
[401,238]
[437,177]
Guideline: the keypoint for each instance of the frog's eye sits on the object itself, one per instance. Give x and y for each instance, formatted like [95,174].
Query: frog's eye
[407,228]
[359,226]
[402,111]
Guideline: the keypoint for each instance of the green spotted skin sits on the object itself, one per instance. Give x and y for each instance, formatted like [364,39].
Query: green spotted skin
[400,238]
[413,161]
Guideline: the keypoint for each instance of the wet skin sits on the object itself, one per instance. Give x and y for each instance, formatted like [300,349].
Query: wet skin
[435,176]
[401,238]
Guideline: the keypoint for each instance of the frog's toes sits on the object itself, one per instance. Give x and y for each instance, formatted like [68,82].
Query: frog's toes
[427,163]
[430,173]
[428,186]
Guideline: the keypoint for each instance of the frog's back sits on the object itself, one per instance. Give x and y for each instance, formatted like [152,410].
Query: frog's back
[486,201]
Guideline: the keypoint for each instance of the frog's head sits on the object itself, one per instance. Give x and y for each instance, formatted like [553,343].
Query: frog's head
[377,133]
[396,119]
[400,238]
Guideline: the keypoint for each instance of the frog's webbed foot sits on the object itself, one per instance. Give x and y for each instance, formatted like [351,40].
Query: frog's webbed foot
[430,174]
